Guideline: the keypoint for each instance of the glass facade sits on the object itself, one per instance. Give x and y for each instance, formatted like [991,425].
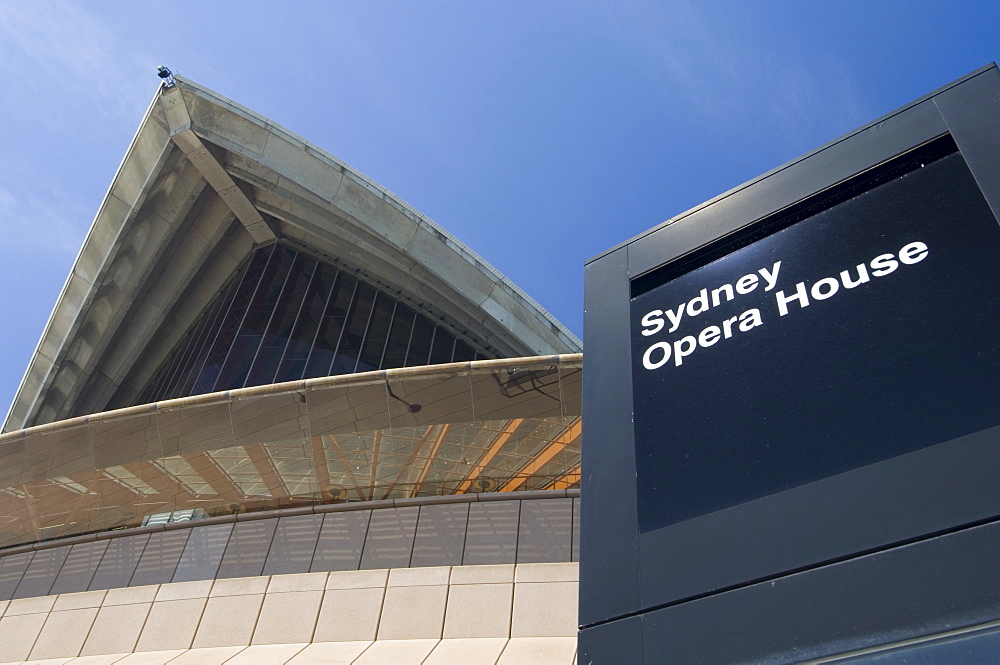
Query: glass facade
[287,315]
[489,426]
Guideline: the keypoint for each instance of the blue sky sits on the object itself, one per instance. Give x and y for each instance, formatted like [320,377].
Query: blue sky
[539,133]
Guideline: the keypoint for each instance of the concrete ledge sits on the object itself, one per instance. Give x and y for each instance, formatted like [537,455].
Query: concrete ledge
[568,360]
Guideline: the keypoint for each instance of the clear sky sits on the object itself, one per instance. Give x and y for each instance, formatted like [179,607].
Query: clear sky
[540,133]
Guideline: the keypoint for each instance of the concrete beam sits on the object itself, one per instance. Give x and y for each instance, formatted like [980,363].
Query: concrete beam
[179,122]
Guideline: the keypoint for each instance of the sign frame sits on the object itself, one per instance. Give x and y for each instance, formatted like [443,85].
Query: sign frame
[653,593]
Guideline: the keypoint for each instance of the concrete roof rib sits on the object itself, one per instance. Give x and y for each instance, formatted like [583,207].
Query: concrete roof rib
[204,182]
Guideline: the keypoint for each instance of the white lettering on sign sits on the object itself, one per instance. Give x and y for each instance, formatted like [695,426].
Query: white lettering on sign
[658,354]
[653,322]
[881,265]
[662,352]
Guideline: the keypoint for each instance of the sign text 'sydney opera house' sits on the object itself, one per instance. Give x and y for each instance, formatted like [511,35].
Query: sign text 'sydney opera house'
[278,415]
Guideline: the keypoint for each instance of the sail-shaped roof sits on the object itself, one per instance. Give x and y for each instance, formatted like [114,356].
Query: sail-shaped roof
[205,183]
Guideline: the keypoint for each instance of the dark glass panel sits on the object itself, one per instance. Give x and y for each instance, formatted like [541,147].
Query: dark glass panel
[80,566]
[399,338]
[341,541]
[440,536]
[332,326]
[293,365]
[443,346]
[198,347]
[378,332]
[354,331]
[390,538]
[203,553]
[160,382]
[282,321]
[193,348]
[247,549]
[463,352]
[119,562]
[420,342]
[41,573]
[491,537]
[286,315]
[209,372]
[294,544]
[11,570]
[545,533]
[252,329]
[159,559]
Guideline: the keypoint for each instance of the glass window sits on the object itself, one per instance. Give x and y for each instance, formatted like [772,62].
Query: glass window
[254,324]
[463,352]
[175,376]
[420,341]
[354,332]
[332,326]
[200,345]
[279,329]
[442,347]
[399,338]
[287,315]
[378,333]
[209,372]
[303,336]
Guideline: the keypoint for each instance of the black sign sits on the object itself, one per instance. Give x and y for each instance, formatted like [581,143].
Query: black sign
[861,333]
[792,405]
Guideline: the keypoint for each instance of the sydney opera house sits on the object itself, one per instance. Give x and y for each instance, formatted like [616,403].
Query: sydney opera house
[279,416]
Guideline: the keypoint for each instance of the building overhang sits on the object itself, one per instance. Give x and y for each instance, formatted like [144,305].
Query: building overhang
[204,182]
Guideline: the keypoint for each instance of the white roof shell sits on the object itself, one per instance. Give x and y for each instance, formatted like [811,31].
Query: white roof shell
[204,182]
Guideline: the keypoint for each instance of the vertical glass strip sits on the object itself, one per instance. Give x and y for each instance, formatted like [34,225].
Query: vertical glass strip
[346,358]
[443,347]
[331,327]
[182,361]
[420,342]
[224,337]
[158,384]
[279,330]
[251,332]
[377,334]
[399,338]
[303,337]
[182,385]
[463,352]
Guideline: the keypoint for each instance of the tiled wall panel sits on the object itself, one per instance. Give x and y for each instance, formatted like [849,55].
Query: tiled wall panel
[517,614]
